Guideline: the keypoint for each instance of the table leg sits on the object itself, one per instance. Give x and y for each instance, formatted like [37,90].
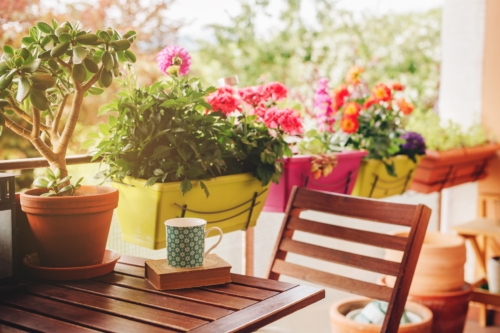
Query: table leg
[249,251]
[483,312]
[479,253]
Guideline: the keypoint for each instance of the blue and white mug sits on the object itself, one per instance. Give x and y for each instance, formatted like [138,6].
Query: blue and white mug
[186,241]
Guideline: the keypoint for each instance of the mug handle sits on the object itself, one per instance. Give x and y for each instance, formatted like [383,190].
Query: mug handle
[213,246]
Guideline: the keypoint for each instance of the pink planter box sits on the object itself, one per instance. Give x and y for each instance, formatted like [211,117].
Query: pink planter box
[297,172]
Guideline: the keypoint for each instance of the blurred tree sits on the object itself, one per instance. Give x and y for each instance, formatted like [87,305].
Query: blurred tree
[298,51]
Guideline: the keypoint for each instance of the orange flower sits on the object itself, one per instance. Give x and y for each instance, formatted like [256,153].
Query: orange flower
[354,75]
[349,124]
[352,109]
[396,86]
[405,106]
[339,96]
[369,102]
[381,92]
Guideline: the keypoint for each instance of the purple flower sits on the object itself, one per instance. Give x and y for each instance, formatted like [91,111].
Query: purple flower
[415,143]
[167,56]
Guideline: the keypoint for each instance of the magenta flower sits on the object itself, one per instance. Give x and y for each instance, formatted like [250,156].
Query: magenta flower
[323,102]
[166,57]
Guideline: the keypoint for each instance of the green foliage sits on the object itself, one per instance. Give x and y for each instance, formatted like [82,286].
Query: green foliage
[160,133]
[297,52]
[440,135]
[57,186]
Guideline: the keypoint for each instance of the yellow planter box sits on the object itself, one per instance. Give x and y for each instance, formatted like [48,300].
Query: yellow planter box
[374,182]
[235,203]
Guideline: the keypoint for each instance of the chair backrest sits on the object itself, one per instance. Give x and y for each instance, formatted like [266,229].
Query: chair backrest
[414,216]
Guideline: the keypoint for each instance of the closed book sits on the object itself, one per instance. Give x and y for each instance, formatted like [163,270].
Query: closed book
[160,275]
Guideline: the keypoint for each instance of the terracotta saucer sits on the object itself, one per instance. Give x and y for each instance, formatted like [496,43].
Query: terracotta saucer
[32,263]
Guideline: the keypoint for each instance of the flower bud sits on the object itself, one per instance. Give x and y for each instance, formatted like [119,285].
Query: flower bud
[173,70]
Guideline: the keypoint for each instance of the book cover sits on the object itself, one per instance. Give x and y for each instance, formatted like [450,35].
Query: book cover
[160,275]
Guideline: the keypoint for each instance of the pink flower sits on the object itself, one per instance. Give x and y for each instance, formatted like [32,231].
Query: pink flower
[166,56]
[260,110]
[225,100]
[252,95]
[274,90]
[323,102]
[288,120]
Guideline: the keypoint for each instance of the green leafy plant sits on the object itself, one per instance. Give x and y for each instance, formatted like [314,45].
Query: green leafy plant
[57,186]
[160,133]
[445,135]
[177,131]
[56,64]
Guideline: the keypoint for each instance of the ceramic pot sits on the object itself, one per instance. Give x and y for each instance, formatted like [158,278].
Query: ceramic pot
[297,172]
[440,266]
[341,324]
[70,231]
[449,308]
[374,182]
[235,203]
[439,170]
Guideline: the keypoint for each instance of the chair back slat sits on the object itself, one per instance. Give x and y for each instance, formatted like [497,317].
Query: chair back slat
[365,209]
[332,280]
[341,257]
[414,216]
[353,235]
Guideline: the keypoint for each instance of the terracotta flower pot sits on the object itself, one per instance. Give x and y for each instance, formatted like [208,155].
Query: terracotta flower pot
[70,231]
[449,308]
[440,267]
[341,324]
[438,170]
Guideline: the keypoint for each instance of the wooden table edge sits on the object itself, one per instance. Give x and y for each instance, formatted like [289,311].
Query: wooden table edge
[269,311]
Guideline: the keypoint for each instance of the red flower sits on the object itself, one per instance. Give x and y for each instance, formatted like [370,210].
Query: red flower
[349,124]
[288,120]
[404,106]
[252,95]
[274,90]
[339,96]
[224,100]
[352,109]
[353,76]
[369,102]
[381,92]
[396,86]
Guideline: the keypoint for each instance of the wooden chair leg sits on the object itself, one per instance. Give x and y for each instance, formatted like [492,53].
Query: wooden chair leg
[483,312]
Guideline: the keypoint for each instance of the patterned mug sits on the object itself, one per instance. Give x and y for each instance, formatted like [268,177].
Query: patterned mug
[186,242]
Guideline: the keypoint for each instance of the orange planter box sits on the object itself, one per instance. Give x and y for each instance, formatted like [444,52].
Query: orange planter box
[439,170]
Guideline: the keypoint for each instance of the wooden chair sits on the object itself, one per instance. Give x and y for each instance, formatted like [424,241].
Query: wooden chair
[415,217]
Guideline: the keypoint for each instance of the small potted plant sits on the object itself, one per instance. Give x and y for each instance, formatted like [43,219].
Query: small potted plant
[177,149]
[454,156]
[57,64]
[360,118]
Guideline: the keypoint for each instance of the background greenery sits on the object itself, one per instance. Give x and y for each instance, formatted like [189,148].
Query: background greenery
[296,50]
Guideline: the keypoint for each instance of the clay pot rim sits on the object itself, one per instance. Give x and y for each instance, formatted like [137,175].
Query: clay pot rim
[342,318]
[449,241]
[95,190]
[465,289]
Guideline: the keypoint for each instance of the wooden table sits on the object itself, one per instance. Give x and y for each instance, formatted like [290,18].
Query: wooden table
[123,301]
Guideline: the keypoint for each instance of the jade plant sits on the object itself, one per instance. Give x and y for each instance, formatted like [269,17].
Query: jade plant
[57,64]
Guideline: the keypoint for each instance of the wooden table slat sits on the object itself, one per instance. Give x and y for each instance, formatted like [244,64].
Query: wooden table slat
[242,291]
[78,315]
[135,261]
[265,312]
[10,329]
[129,270]
[256,282]
[149,299]
[116,307]
[197,295]
[32,321]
